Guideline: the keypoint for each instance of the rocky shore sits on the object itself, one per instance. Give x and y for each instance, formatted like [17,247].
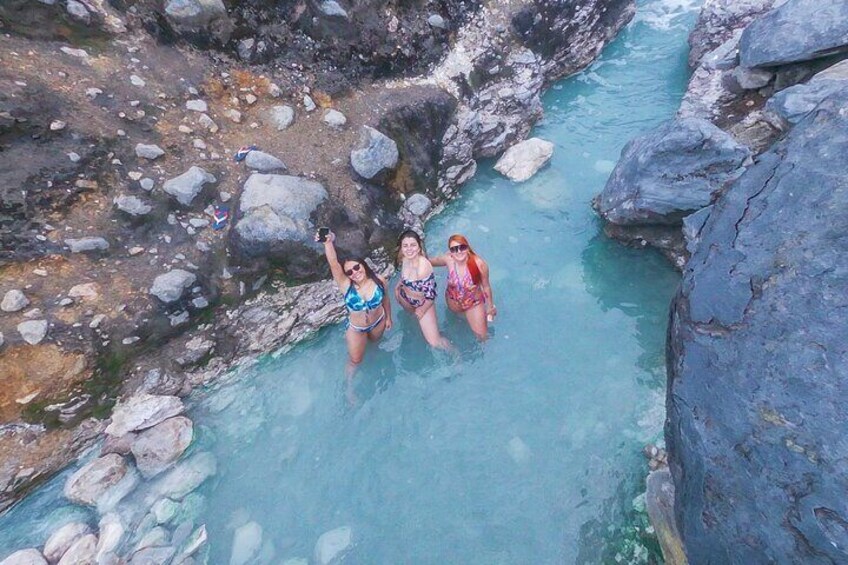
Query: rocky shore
[744,192]
[122,120]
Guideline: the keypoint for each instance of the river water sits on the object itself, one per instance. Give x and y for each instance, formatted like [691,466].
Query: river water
[525,449]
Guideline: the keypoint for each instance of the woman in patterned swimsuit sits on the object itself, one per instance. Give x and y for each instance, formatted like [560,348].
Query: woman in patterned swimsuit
[416,290]
[468,290]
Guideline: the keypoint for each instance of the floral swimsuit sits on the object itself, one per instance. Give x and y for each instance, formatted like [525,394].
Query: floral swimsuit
[463,291]
[426,286]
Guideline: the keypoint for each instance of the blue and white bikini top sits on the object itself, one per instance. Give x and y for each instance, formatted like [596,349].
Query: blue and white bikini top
[355,303]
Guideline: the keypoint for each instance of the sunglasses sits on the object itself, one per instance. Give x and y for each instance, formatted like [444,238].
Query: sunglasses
[458,248]
[353,269]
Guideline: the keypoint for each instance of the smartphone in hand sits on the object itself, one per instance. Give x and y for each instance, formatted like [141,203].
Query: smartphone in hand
[322,234]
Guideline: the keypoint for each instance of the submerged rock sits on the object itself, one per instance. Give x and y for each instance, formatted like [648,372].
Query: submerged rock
[29,556]
[799,30]
[524,159]
[670,172]
[247,542]
[89,483]
[63,538]
[186,476]
[756,359]
[333,544]
[156,448]
[82,552]
[375,154]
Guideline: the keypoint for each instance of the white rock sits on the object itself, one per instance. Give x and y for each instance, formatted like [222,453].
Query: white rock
[137,81]
[82,552]
[29,556]
[96,321]
[156,448]
[143,411]
[522,160]
[78,11]
[81,53]
[263,162]
[197,106]
[334,118]
[308,103]
[332,8]
[208,123]
[186,476]
[57,125]
[13,301]
[188,185]
[86,291]
[332,544]
[86,244]
[62,539]
[149,151]
[170,287]
[436,20]
[281,116]
[146,184]
[247,541]
[111,534]
[95,478]
[33,331]
[132,205]
[234,115]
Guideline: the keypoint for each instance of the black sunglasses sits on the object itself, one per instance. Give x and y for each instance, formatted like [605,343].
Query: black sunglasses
[458,248]
[353,269]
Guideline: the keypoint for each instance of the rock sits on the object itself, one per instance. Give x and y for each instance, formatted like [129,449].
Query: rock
[146,184]
[132,205]
[233,114]
[110,536]
[418,204]
[14,301]
[152,556]
[334,119]
[333,544]
[281,117]
[246,49]
[437,21]
[57,125]
[188,185]
[143,411]
[197,106]
[792,104]
[2,339]
[308,103]
[86,291]
[671,171]
[29,556]
[208,123]
[756,374]
[164,510]
[78,11]
[751,79]
[136,80]
[718,21]
[186,476]
[263,162]
[200,18]
[149,151]
[169,287]
[63,538]
[86,244]
[523,160]
[774,39]
[193,543]
[275,213]
[82,552]
[90,482]
[33,331]
[659,500]
[156,537]
[332,8]
[375,154]
[247,542]
[156,448]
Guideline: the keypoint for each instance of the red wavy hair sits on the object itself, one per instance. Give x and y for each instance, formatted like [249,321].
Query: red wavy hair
[473,269]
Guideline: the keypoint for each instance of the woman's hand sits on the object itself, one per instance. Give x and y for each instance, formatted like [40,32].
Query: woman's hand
[331,237]
[491,313]
[388,323]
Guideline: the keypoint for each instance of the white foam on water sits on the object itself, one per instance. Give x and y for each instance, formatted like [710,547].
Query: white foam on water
[667,14]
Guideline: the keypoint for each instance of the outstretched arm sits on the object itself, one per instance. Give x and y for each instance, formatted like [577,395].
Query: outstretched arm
[333,261]
[439,261]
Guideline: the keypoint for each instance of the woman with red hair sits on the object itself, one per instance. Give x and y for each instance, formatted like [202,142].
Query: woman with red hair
[468,289]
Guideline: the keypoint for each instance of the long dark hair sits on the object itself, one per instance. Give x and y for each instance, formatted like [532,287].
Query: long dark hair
[369,272]
[473,269]
[414,235]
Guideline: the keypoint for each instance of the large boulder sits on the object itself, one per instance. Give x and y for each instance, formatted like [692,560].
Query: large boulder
[718,21]
[275,216]
[143,411]
[188,185]
[170,287]
[792,104]
[524,159]
[155,449]
[91,481]
[757,364]
[29,556]
[670,172]
[204,20]
[799,30]
[375,154]
[82,552]
[62,539]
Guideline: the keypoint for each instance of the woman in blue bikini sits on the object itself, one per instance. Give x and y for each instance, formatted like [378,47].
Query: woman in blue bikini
[370,312]
[416,290]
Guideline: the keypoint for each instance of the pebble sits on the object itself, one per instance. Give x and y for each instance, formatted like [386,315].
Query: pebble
[208,123]
[14,301]
[136,251]
[121,133]
[308,103]
[334,118]
[96,321]
[185,129]
[81,53]
[135,175]
[437,21]
[57,125]
[198,143]
[146,184]
[74,157]
[2,339]
[225,196]
[149,151]
[251,99]
[93,92]
[137,81]
[274,90]
[130,340]
[33,331]
[40,272]
[200,302]
[66,302]
[179,257]
[233,115]
[199,222]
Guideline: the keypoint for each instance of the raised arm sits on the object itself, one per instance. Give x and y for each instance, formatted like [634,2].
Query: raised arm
[333,260]
[486,287]
[439,261]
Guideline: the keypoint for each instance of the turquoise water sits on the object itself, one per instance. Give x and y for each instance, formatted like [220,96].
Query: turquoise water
[525,449]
